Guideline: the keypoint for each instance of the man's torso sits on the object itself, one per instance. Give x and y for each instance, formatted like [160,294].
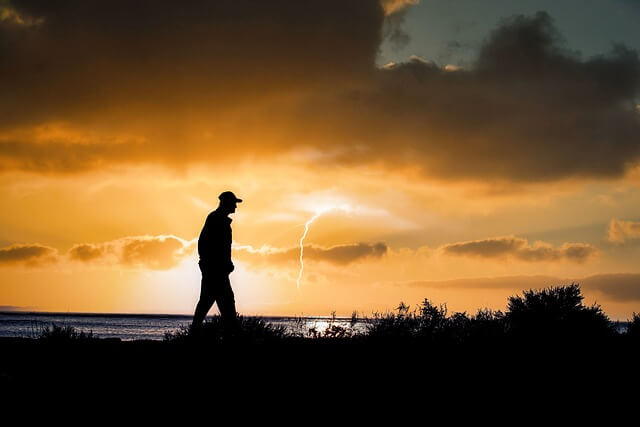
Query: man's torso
[214,243]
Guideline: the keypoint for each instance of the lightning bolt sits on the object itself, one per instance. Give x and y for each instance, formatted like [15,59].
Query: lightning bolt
[318,214]
[306,230]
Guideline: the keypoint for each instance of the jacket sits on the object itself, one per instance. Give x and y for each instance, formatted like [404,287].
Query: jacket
[214,243]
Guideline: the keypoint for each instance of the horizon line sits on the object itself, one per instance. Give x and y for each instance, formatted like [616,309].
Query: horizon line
[89,314]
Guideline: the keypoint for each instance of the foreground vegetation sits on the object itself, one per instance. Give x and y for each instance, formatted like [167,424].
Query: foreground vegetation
[555,315]
[547,336]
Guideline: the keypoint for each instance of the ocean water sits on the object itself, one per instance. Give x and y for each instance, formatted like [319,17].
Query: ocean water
[138,326]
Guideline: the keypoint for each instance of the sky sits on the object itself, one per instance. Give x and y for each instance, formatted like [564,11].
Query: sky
[457,151]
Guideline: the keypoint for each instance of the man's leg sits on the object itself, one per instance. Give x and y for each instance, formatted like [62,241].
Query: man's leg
[207,298]
[227,303]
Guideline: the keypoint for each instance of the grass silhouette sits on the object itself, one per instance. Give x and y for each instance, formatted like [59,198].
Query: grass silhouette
[545,336]
[555,315]
[63,333]
[249,329]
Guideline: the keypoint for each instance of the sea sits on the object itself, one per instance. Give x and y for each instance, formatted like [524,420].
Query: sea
[128,327]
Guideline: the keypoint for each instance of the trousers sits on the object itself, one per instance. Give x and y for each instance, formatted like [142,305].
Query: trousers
[215,287]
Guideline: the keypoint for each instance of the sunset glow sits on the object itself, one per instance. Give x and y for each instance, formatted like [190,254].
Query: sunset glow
[385,151]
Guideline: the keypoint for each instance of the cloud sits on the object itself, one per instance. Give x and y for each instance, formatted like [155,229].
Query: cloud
[165,252]
[87,252]
[10,16]
[618,287]
[27,254]
[621,232]
[200,56]
[157,253]
[519,248]
[153,252]
[178,83]
[396,11]
[338,255]
[526,109]
[393,6]
[346,254]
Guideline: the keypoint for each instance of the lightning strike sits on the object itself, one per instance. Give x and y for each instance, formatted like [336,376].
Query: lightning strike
[317,215]
[306,230]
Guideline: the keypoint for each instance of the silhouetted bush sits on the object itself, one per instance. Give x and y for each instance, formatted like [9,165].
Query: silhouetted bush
[551,314]
[429,323]
[556,313]
[633,329]
[63,333]
[404,324]
[486,326]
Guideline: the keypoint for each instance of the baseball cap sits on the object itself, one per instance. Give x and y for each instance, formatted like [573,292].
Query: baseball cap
[229,196]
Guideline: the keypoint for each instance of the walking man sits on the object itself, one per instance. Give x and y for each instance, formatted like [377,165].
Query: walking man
[214,248]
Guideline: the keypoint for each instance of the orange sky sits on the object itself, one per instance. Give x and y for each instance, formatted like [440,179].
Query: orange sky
[462,185]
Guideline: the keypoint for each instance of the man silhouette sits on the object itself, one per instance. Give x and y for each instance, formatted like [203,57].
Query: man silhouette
[214,248]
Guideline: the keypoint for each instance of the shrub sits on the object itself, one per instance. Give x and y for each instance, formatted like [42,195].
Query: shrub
[427,322]
[633,329]
[394,326]
[556,312]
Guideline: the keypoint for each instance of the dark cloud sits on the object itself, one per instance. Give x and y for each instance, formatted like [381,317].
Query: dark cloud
[340,254]
[393,31]
[578,252]
[527,109]
[92,58]
[30,254]
[488,248]
[519,248]
[182,82]
[618,287]
[346,254]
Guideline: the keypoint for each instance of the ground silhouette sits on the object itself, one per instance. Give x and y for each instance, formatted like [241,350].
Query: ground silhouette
[544,338]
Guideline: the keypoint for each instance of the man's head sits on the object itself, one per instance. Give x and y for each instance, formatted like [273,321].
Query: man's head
[228,202]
